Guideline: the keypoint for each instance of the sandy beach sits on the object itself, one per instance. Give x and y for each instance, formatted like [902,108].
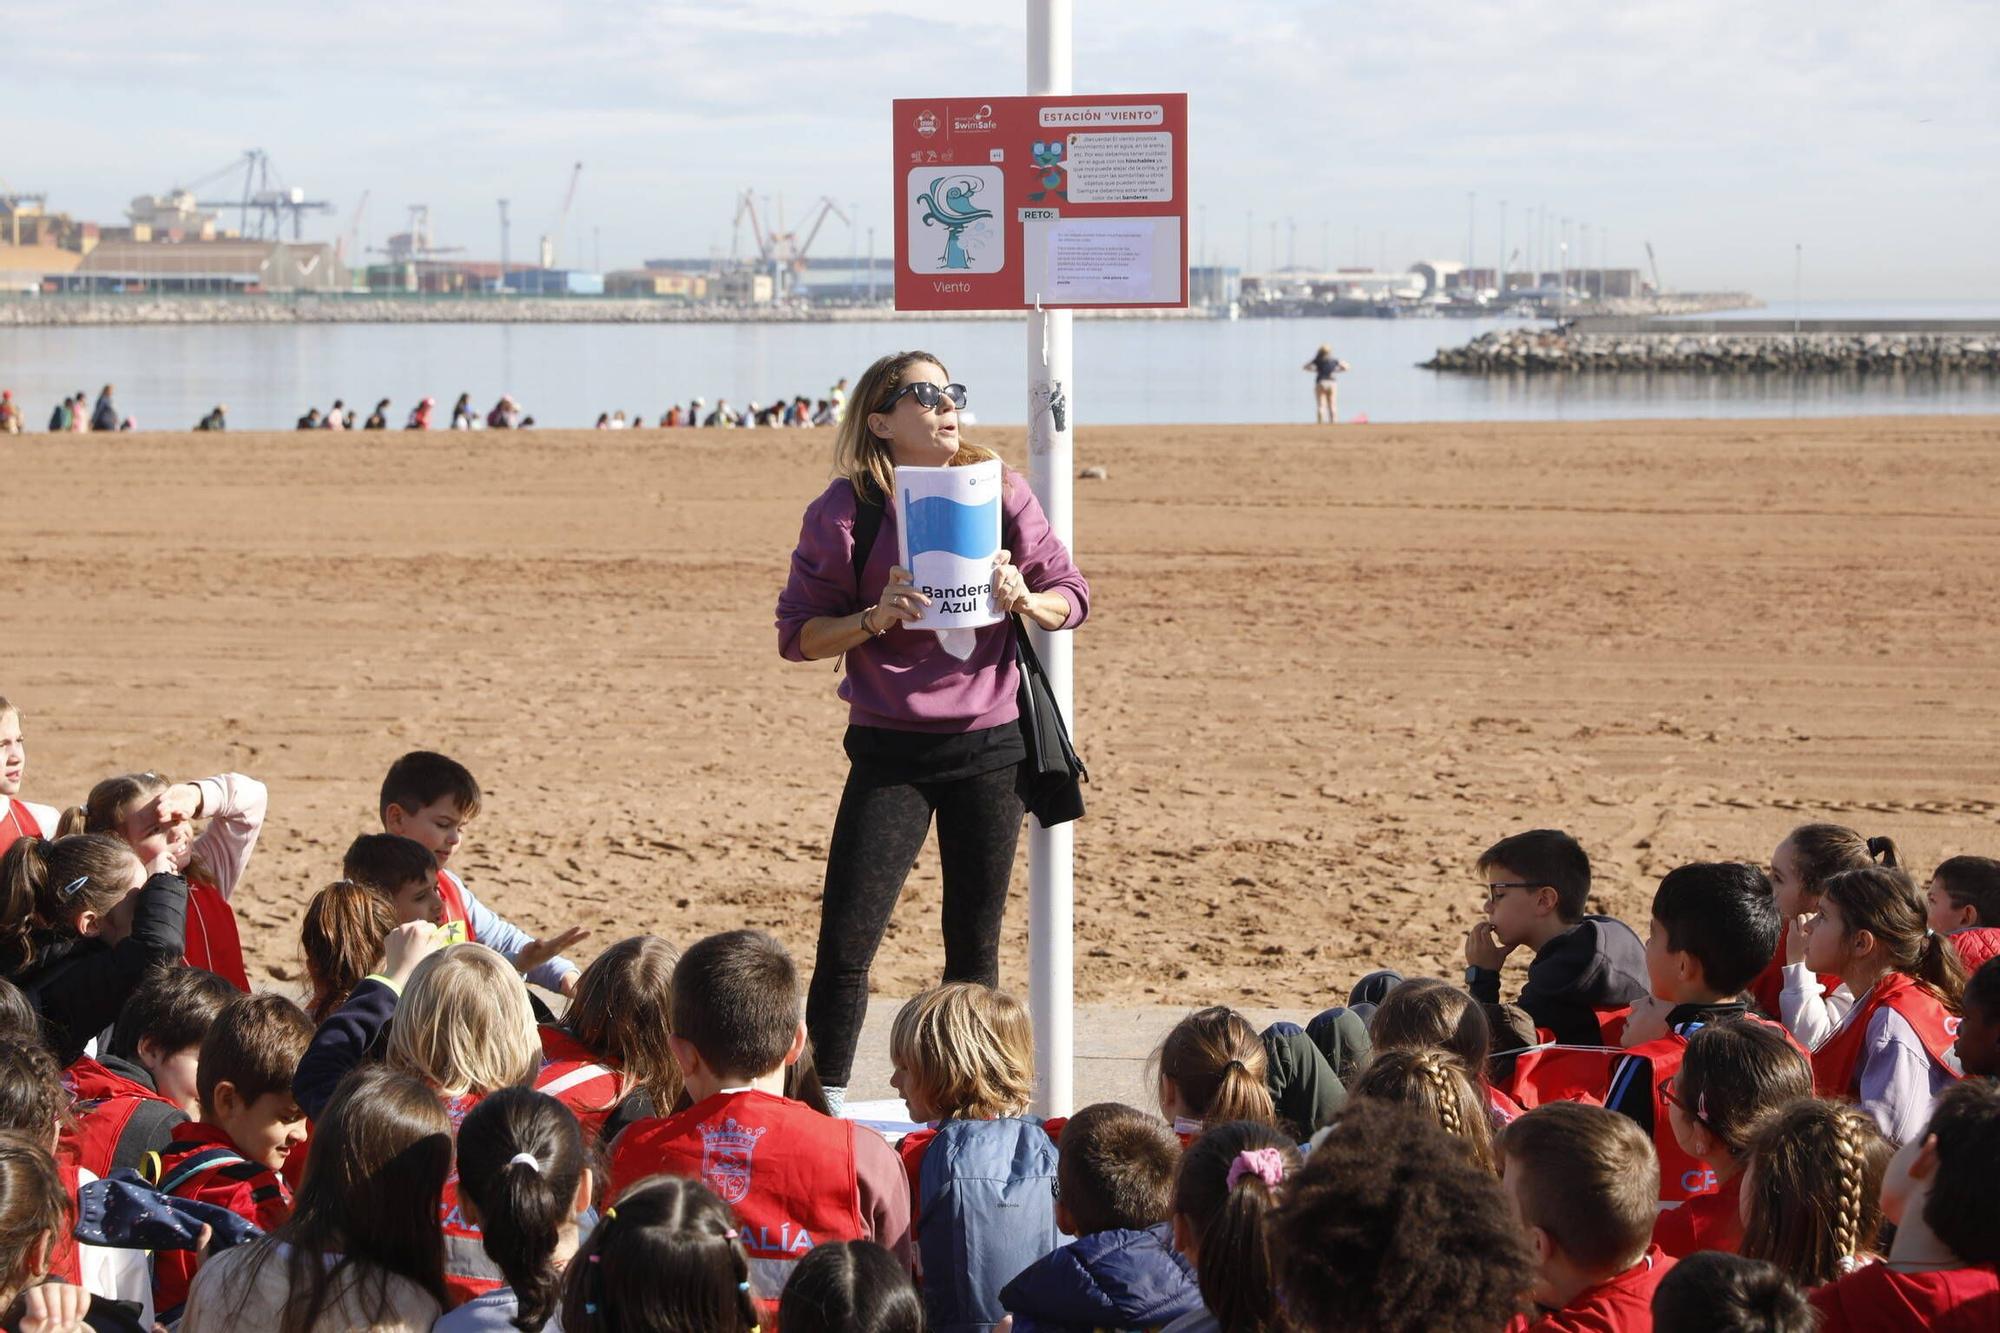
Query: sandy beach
[1324,668]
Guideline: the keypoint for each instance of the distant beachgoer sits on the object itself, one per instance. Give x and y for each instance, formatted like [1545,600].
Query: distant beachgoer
[672,416]
[59,418]
[506,414]
[217,419]
[311,420]
[104,416]
[693,417]
[838,398]
[618,421]
[420,415]
[461,413]
[603,421]
[128,424]
[824,414]
[379,418]
[720,416]
[79,413]
[10,413]
[1324,366]
[336,417]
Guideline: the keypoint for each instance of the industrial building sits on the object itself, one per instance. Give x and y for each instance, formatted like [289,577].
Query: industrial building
[235,265]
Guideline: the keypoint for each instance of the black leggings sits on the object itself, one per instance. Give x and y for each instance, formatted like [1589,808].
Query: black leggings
[876,838]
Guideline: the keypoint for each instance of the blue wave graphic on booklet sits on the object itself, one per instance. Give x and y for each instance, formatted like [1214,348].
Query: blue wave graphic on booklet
[940,524]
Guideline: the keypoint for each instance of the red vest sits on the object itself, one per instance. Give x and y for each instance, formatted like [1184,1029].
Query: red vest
[212,941]
[457,917]
[65,1260]
[102,1104]
[17,823]
[1624,1304]
[1771,981]
[786,1170]
[1562,1074]
[1951,1300]
[1681,1176]
[573,1075]
[1836,1063]
[202,1164]
[1706,1222]
[468,1270]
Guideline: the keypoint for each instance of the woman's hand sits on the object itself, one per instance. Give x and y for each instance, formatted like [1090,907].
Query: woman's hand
[1011,595]
[899,604]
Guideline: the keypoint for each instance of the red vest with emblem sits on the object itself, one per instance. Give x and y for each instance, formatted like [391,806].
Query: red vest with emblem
[457,916]
[468,1270]
[1712,1221]
[1836,1064]
[1681,1176]
[786,1170]
[212,941]
[101,1106]
[576,1077]
[1768,983]
[16,823]
[65,1260]
[204,1165]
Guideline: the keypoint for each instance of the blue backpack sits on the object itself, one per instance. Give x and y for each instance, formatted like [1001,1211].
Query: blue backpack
[986,1209]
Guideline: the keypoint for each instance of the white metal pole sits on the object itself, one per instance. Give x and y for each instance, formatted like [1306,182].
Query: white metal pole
[1051,422]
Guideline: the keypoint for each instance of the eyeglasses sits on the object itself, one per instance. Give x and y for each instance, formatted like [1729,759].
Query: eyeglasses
[1670,1092]
[927,395]
[1494,891]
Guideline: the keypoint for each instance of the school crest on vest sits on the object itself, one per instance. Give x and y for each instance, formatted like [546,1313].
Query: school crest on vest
[726,1149]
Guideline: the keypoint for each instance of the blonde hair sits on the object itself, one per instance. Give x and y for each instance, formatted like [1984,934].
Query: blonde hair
[862,456]
[971,1049]
[1434,1082]
[464,1025]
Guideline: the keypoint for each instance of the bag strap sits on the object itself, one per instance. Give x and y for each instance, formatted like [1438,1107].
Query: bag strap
[193,1165]
[868,511]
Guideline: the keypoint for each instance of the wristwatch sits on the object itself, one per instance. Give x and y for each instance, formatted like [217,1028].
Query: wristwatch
[1472,973]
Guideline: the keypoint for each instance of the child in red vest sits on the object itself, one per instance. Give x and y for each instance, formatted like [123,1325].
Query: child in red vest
[1940,1191]
[1537,886]
[144,1083]
[1732,1075]
[1963,893]
[1800,866]
[1713,925]
[18,818]
[153,816]
[430,799]
[1979,1026]
[608,1059]
[794,1177]
[1585,1183]
[1389,1225]
[1427,1012]
[1891,1051]
[1717,1292]
[1811,1189]
[82,922]
[249,1126]
[667,1246]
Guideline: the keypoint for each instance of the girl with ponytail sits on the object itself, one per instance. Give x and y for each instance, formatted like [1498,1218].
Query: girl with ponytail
[81,924]
[1812,1187]
[1212,1070]
[1892,1049]
[1229,1180]
[523,1181]
[345,927]
[664,1259]
[1800,866]
[1434,1084]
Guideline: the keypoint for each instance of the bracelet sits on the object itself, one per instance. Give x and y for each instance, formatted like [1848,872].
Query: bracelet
[873,633]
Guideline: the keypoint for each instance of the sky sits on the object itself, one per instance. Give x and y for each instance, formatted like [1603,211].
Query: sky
[1851,147]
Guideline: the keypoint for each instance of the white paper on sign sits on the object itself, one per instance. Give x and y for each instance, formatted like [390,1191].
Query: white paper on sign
[948,531]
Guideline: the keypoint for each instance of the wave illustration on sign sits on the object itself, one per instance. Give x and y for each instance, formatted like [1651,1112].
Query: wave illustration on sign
[940,524]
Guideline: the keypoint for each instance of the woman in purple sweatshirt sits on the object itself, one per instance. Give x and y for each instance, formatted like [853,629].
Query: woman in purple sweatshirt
[929,733]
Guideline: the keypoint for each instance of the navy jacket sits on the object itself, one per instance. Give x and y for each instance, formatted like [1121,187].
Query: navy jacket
[1113,1279]
[351,1035]
[1598,963]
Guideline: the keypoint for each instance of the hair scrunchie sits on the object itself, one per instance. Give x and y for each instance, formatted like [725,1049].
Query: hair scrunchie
[1267,1164]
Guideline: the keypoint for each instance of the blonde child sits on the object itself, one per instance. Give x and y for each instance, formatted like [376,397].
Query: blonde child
[18,818]
[81,923]
[154,815]
[1212,1069]
[982,1207]
[1434,1084]
[1891,1048]
[1732,1076]
[1810,1196]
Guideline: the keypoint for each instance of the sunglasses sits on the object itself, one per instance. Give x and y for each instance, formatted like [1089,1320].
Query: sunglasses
[927,395]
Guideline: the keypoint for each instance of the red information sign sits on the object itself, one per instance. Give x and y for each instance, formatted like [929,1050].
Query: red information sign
[1069,201]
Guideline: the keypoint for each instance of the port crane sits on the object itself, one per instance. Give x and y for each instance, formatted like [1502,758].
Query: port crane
[781,253]
[562,219]
[1658,288]
[262,205]
[416,242]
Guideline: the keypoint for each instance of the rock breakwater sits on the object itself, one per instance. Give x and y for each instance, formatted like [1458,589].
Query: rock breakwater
[1508,351]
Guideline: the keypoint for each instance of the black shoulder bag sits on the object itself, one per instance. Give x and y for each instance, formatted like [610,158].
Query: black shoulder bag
[1052,775]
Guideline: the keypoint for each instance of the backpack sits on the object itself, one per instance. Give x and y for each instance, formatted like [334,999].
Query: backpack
[986,1209]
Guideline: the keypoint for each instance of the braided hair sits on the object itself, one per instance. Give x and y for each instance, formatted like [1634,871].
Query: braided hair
[1435,1083]
[665,1259]
[1814,1184]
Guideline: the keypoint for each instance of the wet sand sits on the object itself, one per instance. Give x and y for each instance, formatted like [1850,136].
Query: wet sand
[1324,668]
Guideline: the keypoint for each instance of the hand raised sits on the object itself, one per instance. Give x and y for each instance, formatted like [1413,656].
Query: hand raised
[536,952]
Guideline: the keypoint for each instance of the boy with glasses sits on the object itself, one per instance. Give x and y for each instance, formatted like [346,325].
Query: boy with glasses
[1537,885]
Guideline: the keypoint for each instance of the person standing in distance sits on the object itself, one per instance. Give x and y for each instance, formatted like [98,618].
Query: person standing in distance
[1324,366]
[929,733]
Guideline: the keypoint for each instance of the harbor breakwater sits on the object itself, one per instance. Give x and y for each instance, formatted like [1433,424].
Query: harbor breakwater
[1532,350]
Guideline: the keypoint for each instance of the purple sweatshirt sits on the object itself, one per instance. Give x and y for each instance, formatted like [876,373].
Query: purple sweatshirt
[905,680]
